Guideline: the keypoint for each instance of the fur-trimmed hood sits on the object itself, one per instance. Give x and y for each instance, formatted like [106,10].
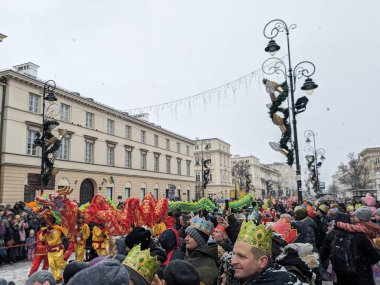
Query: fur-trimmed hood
[304,252]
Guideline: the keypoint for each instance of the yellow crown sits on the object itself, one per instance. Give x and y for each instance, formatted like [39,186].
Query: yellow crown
[256,236]
[141,261]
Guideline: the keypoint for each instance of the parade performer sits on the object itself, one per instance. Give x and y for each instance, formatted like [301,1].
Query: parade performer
[100,239]
[41,251]
[54,233]
[80,236]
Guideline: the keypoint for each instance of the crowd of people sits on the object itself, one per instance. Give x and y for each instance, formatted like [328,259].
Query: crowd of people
[276,241]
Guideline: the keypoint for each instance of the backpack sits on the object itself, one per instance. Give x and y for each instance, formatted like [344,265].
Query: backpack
[343,254]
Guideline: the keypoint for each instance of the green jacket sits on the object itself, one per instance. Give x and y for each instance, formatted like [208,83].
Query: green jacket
[204,260]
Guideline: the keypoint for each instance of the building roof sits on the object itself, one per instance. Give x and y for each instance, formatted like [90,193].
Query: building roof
[198,140]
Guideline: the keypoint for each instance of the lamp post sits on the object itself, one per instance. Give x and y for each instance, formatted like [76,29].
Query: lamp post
[316,154]
[201,185]
[240,171]
[302,69]
[48,95]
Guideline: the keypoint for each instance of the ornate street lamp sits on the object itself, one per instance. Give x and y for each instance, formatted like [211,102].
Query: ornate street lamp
[205,162]
[312,160]
[303,69]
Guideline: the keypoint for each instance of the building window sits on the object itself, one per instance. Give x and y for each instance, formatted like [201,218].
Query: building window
[178,147]
[143,160]
[168,164]
[196,146]
[142,193]
[110,126]
[128,158]
[179,171]
[110,156]
[377,160]
[34,103]
[197,177]
[31,148]
[65,112]
[63,151]
[89,120]
[167,144]
[89,152]
[156,193]
[109,192]
[156,140]
[127,192]
[157,163]
[128,132]
[210,177]
[187,150]
[188,167]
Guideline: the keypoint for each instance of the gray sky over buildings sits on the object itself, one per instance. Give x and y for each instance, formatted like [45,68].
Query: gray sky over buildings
[130,54]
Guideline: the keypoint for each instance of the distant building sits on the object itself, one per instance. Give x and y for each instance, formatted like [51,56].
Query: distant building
[106,151]
[218,151]
[287,180]
[371,156]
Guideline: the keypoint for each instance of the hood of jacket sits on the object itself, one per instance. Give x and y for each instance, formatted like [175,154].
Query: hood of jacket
[169,239]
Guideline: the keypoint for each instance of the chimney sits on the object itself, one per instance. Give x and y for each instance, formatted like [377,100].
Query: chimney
[28,69]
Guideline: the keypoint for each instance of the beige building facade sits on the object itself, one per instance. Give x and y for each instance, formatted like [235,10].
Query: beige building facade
[218,151]
[287,180]
[265,179]
[372,157]
[105,151]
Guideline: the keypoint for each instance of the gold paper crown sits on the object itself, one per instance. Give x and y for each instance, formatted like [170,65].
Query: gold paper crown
[256,236]
[141,261]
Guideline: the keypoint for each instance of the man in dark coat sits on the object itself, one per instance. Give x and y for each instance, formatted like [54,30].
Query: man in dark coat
[201,255]
[306,227]
[364,255]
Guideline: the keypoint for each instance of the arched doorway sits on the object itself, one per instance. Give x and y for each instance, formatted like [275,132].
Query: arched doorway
[86,191]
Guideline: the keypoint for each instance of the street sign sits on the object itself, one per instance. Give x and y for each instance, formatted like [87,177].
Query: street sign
[322,185]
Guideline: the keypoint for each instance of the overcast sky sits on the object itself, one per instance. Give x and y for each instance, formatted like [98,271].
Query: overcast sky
[130,54]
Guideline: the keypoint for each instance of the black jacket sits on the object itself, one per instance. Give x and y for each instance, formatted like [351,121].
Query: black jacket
[274,275]
[233,229]
[366,255]
[307,231]
[204,260]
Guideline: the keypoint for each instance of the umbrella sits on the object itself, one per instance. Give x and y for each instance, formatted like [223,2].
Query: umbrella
[327,198]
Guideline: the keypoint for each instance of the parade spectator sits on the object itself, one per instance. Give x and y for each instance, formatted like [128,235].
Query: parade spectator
[43,277]
[31,245]
[170,241]
[201,255]
[306,227]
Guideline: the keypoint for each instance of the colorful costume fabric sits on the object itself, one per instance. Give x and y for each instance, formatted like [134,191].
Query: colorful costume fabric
[79,240]
[55,250]
[41,252]
[100,240]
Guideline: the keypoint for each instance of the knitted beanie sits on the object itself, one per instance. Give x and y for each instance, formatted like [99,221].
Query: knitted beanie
[200,237]
[40,276]
[364,214]
[180,272]
[378,212]
[73,268]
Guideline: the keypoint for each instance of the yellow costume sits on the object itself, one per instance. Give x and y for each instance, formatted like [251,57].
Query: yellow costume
[79,240]
[158,229]
[55,250]
[100,240]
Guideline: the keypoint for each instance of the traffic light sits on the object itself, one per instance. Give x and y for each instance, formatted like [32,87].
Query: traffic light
[206,172]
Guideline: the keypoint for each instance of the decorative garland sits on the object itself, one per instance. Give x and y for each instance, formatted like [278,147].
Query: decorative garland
[284,121]
[203,203]
[238,204]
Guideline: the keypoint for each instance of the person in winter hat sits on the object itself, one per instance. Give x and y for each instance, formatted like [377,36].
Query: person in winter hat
[370,202]
[180,272]
[361,223]
[73,268]
[306,227]
[201,255]
[220,235]
[42,277]
[109,271]
[358,249]
[169,240]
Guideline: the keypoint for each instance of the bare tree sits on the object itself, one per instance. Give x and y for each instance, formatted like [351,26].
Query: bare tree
[333,189]
[356,174]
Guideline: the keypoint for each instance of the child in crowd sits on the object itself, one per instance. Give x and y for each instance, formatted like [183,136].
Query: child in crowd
[31,245]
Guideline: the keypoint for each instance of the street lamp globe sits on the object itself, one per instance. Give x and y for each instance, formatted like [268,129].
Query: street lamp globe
[309,86]
[272,47]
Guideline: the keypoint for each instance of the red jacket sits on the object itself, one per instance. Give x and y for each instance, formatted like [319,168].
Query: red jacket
[41,248]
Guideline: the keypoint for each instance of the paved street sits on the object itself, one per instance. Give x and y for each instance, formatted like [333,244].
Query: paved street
[18,272]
